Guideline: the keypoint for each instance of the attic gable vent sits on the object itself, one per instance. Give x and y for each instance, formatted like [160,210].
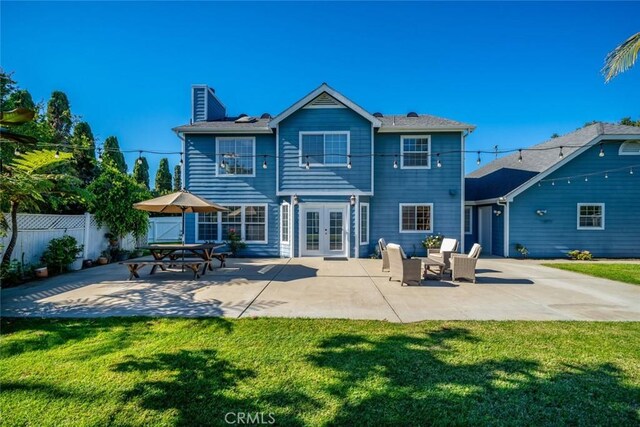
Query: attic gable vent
[630,148]
[324,100]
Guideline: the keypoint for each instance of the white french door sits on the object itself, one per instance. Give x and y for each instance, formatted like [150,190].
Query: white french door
[324,230]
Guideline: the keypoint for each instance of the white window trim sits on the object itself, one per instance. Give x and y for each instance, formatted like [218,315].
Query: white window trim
[364,205]
[217,222]
[578,216]
[285,207]
[242,223]
[631,141]
[401,205]
[470,219]
[218,154]
[303,161]
[402,138]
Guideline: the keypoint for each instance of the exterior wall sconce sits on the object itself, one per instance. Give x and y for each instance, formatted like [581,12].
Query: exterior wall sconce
[541,212]
[497,212]
[295,199]
[352,200]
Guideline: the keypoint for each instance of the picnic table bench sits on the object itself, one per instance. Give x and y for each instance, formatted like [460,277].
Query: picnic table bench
[193,264]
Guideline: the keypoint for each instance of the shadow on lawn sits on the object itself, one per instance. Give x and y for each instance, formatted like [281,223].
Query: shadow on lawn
[416,380]
[202,390]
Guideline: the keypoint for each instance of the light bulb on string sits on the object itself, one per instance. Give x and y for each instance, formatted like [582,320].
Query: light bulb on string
[631,171]
[57,156]
[16,152]
[561,155]
[586,179]
[553,183]
[395,162]
[601,154]
[569,181]
[606,175]
[479,159]
[349,164]
[438,163]
[520,156]
[307,165]
[140,157]
[264,163]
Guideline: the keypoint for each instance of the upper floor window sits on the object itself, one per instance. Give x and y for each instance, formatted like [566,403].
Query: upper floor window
[415,151]
[236,156]
[324,148]
[630,148]
[590,216]
[416,218]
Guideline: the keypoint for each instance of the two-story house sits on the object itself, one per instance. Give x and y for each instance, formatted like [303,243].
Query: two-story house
[578,191]
[324,177]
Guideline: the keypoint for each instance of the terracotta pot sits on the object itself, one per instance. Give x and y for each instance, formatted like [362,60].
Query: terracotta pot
[41,272]
[103,260]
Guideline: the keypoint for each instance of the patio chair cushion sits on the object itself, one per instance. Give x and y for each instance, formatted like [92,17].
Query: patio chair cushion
[475,251]
[449,245]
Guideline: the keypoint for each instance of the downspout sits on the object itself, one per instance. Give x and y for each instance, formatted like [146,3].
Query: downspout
[462,193]
[183,168]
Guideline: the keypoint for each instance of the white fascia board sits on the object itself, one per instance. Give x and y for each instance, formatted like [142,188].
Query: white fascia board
[397,129]
[481,202]
[189,130]
[337,95]
[303,192]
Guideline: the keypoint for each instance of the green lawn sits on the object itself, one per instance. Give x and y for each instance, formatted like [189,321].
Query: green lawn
[628,273]
[140,371]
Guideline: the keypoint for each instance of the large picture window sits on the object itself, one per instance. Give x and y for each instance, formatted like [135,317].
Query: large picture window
[415,151]
[416,218]
[236,156]
[590,216]
[324,148]
[249,221]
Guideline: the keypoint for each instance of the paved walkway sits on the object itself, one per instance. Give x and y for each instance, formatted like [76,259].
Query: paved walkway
[311,287]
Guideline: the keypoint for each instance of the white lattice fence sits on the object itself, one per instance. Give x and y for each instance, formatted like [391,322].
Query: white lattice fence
[35,231]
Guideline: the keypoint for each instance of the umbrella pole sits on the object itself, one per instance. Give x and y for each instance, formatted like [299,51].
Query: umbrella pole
[183,235]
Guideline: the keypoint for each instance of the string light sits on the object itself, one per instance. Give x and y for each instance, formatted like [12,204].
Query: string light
[16,152]
[99,155]
[395,162]
[586,176]
[140,158]
[586,179]
[438,163]
[223,164]
[479,159]
[606,175]
[569,181]
[630,171]
[601,154]
[349,164]
[561,155]
[181,159]
[264,164]
[57,156]
[553,183]
[307,165]
[520,156]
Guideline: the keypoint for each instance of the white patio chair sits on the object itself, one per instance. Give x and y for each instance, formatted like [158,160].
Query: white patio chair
[447,247]
[405,270]
[464,266]
[382,246]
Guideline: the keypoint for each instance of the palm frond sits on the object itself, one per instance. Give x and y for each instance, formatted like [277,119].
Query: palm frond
[621,58]
[39,161]
[16,116]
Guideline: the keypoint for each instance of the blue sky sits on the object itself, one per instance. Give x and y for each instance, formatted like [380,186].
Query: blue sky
[519,71]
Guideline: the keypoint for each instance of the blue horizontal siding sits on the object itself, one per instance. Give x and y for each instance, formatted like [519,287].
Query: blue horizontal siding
[555,233]
[294,178]
[200,179]
[199,101]
[440,186]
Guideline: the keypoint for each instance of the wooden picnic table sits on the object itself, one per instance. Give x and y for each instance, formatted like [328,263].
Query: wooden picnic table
[205,251]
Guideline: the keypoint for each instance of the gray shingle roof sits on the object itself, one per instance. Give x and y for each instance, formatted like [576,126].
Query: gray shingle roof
[503,175]
[423,121]
[226,125]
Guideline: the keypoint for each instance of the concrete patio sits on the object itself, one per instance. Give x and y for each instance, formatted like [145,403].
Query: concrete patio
[507,289]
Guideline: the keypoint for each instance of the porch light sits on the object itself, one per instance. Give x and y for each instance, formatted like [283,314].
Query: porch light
[541,212]
[295,199]
[497,212]
[352,200]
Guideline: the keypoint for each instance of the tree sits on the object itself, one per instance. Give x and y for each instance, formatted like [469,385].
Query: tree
[25,184]
[163,177]
[112,155]
[20,98]
[555,135]
[84,155]
[115,193]
[628,121]
[141,171]
[621,58]
[177,178]
[59,116]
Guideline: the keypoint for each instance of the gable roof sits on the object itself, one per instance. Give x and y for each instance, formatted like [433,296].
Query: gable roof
[324,88]
[228,125]
[503,176]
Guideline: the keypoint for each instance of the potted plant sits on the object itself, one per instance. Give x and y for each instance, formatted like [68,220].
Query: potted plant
[235,242]
[432,243]
[104,257]
[122,255]
[62,252]
[41,271]
[113,240]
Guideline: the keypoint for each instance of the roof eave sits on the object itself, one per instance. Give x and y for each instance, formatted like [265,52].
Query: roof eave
[396,129]
[191,129]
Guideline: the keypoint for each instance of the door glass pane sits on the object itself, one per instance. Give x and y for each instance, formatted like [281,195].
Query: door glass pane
[313,230]
[335,231]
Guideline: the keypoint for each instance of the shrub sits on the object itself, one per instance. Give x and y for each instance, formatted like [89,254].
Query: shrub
[235,242]
[60,253]
[522,249]
[432,242]
[580,255]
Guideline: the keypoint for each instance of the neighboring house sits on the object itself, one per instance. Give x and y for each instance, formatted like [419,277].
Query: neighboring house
[588,198]
[324,177]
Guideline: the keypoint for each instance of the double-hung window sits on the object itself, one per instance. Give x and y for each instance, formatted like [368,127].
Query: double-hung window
[236,156]
[416,218]
[364,223]
[415,151]
[590,216]
[248,221]
[284,223]
[324,148]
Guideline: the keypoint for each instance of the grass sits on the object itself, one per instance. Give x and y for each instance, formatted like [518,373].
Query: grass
[628,273]
[142,371]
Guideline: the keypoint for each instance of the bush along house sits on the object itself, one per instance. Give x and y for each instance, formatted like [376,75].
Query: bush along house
[324,177]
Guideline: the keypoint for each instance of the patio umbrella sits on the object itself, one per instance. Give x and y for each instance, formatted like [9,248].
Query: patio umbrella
[179,202]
